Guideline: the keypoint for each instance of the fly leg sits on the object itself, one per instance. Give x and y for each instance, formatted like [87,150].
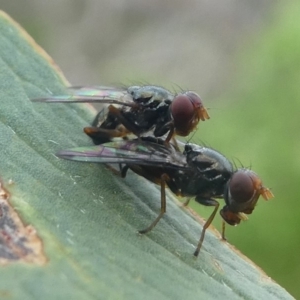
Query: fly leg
[223,231]
[163,129]
[171,132]
[122,172]
[110,124]
[164,178]
[130,126]
[206,202]
[102,135]
[175,144]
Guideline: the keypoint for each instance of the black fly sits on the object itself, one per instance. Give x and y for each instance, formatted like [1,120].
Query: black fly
[198,172]
[137,110]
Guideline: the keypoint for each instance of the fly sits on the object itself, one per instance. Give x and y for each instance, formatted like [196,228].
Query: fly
[199,172]
[137,110]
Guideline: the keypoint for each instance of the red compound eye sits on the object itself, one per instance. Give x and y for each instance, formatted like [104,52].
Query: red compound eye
[199,108]
[241,186]
[187,109]
[182,110]
[195,99]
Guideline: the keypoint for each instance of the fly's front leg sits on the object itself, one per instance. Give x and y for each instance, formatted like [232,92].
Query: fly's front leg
[175,144]
[163,205]
[162,129]
[171,133]
[206,202]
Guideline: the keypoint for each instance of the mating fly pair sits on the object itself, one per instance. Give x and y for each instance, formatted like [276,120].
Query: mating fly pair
[196,171]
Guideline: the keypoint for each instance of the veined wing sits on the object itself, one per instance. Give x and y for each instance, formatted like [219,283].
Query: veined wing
[128,152]
[99,94]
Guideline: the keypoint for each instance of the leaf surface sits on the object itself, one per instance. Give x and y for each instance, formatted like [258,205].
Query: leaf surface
[84,220]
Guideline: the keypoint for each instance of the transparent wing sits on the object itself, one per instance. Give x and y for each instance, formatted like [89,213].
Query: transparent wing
[128,152]
[99,94]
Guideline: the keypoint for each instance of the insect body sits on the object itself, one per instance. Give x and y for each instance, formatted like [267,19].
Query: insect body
[140,109]
[198,172]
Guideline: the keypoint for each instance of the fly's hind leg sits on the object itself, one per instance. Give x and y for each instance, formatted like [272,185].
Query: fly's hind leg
[102,135]
[130,126]
[163,205]
[110,123]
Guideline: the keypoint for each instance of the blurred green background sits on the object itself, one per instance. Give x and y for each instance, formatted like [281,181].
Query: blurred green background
[242,57]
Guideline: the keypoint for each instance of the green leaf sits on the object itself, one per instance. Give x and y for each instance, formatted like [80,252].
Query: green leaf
[69,230]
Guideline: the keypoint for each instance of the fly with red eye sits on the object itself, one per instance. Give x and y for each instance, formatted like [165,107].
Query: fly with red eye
[138,110]
[186,111]
[241,196]
[198,172]
[240,188]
